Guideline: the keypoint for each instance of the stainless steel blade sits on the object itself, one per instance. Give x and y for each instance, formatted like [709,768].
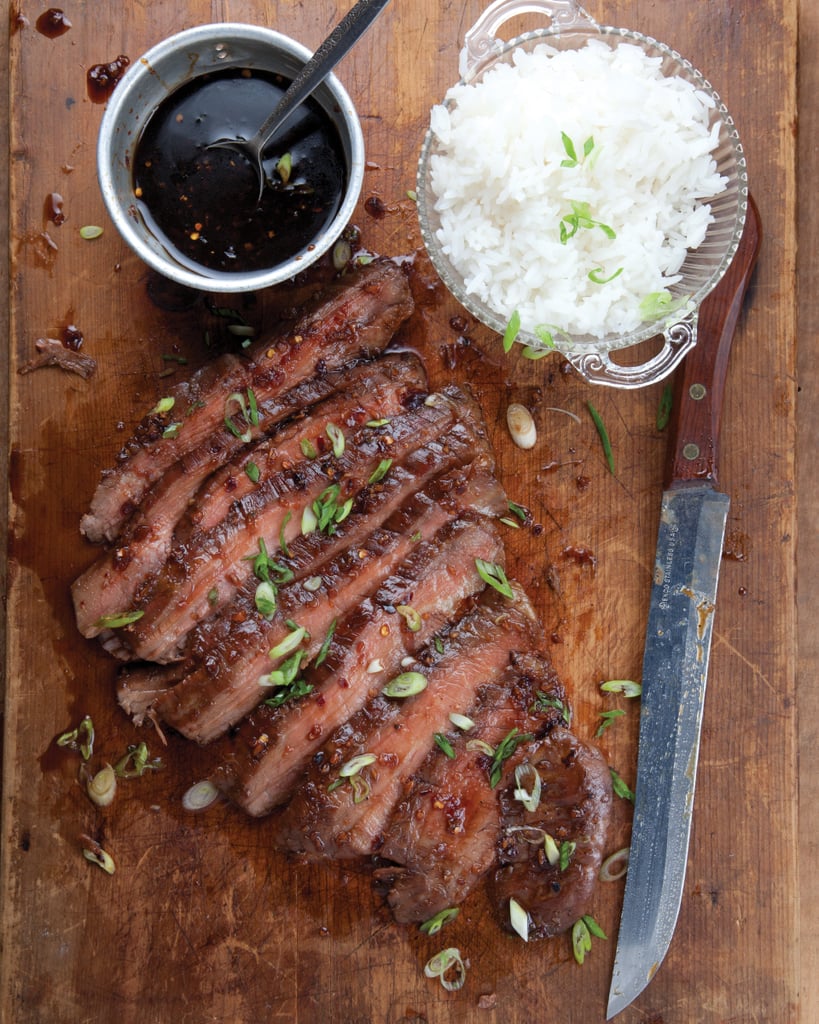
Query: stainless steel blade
[675,666]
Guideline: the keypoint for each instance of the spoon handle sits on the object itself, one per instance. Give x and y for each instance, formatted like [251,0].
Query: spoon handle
[343,37]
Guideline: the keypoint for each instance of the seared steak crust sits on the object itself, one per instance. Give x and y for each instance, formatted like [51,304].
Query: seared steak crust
[300,541]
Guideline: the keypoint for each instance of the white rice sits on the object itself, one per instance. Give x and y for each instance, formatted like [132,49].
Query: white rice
[501,192]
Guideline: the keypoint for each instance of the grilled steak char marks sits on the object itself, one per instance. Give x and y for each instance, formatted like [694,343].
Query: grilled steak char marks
[443,834]
[350,321]
[327,817]
[262,763]
[287,695]
[173,508]
[575,809]
[182,593]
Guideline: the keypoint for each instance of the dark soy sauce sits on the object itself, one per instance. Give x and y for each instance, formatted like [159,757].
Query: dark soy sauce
[202,204]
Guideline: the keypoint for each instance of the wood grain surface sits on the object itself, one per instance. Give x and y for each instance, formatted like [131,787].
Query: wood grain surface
[202,921]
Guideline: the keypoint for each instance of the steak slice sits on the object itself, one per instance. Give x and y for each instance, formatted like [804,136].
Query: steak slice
[341,812]
[233,652]
[264,759]
[371,392]
[575,809]
[204,572]
[442,837]
[354,320]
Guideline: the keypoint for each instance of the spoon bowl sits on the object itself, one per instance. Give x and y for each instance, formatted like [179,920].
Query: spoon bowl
[340,41]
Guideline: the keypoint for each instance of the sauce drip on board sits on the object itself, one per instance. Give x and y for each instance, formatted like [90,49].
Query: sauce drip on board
[202,203]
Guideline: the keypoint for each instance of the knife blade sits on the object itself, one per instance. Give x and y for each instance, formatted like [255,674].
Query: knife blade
[693,515]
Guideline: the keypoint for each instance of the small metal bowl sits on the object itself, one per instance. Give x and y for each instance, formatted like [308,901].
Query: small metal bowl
[571,28]
[175,62]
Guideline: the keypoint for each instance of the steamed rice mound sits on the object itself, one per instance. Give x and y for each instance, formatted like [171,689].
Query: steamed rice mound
[502,187]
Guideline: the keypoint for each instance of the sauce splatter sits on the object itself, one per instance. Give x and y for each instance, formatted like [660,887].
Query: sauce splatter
[101,78]
[52,23]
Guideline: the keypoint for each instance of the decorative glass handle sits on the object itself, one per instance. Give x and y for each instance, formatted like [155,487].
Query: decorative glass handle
[598,368]
[481,43]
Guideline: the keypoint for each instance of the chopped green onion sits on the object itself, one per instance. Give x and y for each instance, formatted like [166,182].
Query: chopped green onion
[136,762]
[528,786]
[594,927]
[580,217]
[199,796]
[285,550]
[298,688]
[494,575]
[571,153]
[604,436]
[545,701]
[551,849]
[118,620]
[93,852]
[380,471]
[284,167]
[435,924]
[411,616]
[519,919]
[265,599]
[581,940]
[442,966]
[439,644]
[545,336]
[512,331]
[288,644]
[309,521]
[627,687]
[664,408]
[81,738]
[171,431]
[567,849]
[412,194]
[608,720]
[504,750]
[325,647]
[614,866]
[312,584]
[461,721]
[213,596]
[355,764]
[659,305]
[337,440]
[252,471]
[534,353]
[620,787]
[443,744]
[376,423]
[518,510]
[101,787]
[163,405]
[308,448]
[407,684]
[327,512]
[509,522]
[595,278]
[90,231]
[250,414]
[481,745]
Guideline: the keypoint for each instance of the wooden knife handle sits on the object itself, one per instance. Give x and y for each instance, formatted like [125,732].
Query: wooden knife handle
[700,381]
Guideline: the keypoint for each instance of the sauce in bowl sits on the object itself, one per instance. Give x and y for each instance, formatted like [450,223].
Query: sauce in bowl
[202,203]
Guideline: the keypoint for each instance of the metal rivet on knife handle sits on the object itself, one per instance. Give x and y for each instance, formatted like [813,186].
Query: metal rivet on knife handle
[697,392]
[691,452]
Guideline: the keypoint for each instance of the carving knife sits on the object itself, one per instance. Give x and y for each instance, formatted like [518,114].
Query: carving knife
[678,638]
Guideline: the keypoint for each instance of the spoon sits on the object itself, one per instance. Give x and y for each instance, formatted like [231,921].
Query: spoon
[343,37]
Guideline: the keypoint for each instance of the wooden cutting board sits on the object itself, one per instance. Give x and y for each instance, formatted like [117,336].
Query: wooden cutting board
[202,921]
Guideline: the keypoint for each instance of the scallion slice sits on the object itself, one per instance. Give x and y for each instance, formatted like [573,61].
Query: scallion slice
[493,574]
[407,684]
